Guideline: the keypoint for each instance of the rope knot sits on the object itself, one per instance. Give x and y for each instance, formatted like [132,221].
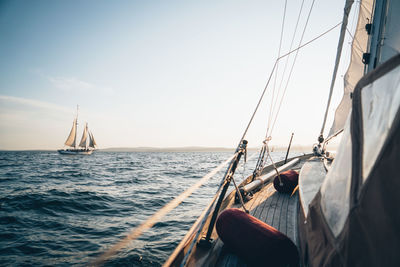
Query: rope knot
[267,139]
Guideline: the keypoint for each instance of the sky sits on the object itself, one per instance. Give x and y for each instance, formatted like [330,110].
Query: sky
[162,73]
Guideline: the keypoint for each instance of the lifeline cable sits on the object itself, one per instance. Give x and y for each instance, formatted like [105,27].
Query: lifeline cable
[291,43]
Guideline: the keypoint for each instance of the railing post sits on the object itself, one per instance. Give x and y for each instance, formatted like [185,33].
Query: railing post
[288,149]
[206,241]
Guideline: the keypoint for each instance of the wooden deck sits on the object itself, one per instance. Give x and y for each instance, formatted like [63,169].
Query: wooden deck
[276,209]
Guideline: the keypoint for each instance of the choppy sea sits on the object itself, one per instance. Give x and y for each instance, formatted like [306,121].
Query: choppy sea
[59,210]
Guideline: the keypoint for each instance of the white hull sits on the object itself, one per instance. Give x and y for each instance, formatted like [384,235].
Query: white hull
[75,151]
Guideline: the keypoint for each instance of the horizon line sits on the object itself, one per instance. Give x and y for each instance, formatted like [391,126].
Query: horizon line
[169,149]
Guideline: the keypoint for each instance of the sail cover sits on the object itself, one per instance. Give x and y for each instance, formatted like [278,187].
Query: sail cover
[71,140]
[84,137]
[354,219]
[356,67]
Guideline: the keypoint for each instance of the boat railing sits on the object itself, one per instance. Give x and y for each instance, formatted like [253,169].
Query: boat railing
[136,232]
[261,180]
[201,222]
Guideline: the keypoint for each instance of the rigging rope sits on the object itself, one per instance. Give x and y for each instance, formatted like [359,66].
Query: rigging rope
[197,225]
[200,228]
[353,28]
[258,104]
[291,69]
[358,45]
[136,232]
[285,67]
[279,53]
[269,79]
[224,181]
[203,221]
[272,72]
[236,187]
[239,195]
[291,43]
[310,41]
[273,164]
[260,163]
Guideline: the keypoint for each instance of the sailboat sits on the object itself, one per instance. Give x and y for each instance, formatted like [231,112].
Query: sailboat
[87,144]
[344,209]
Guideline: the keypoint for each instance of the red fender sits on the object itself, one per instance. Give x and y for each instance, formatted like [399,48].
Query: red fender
[290,179]
[256,242]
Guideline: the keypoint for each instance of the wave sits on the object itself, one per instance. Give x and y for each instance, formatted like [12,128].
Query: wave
[57,210]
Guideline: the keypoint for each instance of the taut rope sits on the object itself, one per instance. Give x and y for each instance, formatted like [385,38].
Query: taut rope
[136,232]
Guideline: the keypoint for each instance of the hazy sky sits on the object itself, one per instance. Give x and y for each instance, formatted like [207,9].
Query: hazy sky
[159,73]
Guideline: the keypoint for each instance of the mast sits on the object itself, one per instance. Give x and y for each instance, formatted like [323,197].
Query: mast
[71,139]
[346,14]
[77,112]
[355,69]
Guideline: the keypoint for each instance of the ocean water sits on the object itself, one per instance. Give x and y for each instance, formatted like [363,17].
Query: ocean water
[58,210]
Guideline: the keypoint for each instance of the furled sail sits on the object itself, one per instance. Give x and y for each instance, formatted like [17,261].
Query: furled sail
[356,67]
[84,137]
[71,140]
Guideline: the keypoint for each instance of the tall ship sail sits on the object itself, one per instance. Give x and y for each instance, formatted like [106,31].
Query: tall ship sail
[87,144]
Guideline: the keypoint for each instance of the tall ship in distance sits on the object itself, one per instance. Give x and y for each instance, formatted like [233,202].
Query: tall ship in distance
[87,144]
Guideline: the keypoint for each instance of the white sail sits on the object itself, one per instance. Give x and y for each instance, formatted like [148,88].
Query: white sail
[87,141]
[92,142]
[71,140]
[356,67]
[84,137]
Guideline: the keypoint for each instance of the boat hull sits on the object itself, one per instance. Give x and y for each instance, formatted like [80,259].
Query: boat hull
[75,151]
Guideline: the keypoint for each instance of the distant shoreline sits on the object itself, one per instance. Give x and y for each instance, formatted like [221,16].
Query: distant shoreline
[170,149]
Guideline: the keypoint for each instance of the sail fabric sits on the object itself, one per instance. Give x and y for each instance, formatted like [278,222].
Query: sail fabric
[335,190]
[92,142]
[356,67]
[380,103]
[356,212]
[84,137]
[71,140]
